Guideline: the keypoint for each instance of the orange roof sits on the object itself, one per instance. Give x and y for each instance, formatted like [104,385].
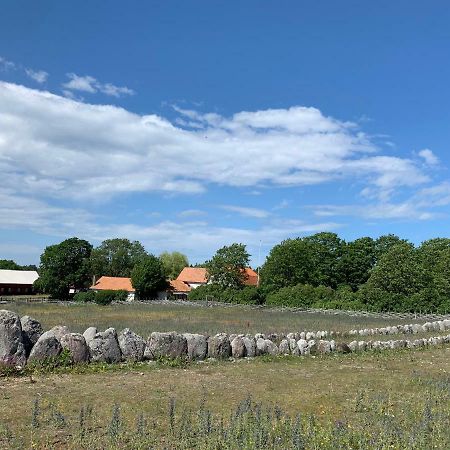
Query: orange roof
[252,277]
[193,275]
[113,284]
[179,286]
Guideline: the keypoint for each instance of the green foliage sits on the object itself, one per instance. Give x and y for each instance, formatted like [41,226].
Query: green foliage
[84,296]
[227,267]
[247,295]
[105,297]
[64,266]
[173,263]
[9,264]
[301,296]
[116,257]
[148,277]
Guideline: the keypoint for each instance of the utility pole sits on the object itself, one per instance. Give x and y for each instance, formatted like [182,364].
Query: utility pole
[259,257]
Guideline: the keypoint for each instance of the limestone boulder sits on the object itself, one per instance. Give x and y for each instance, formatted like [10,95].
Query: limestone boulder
[238,349]
[77,346]
[31,331]
[104,347]
[47,347]
[197,346]
[166,345]
[250,346]
[131,345]
[90,333]
[12,347]
[284,347]
[219,346]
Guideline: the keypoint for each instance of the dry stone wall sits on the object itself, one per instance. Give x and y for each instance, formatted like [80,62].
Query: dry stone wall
[23,341]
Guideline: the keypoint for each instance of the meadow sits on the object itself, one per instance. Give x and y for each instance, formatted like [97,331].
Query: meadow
[369,400]
[144,318]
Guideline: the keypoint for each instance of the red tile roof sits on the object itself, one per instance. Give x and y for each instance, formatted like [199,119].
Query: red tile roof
[193,275]
[113,284]
[179,286]
[252,277]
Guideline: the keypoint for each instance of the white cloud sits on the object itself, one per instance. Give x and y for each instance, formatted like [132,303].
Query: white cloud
[430,158]
[39,76]
[97,151]
[191,213]
[6,65]
[92,85]
[247,211]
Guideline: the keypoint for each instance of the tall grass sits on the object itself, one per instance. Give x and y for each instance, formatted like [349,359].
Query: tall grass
[377,422]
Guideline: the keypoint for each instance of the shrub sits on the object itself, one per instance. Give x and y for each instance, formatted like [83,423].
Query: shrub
[301,295]
[84,297]
[105,297]
[121,296]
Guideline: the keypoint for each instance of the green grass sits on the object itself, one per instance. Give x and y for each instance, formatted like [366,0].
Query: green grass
[146,318]
[370,400]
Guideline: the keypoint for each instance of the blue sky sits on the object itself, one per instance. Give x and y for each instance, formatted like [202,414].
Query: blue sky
[189,125]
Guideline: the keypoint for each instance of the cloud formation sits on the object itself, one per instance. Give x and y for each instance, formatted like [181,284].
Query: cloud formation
[92,85]
[95,151]
[40,76]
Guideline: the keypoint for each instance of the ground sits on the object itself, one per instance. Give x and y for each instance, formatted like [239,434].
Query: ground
[327,386]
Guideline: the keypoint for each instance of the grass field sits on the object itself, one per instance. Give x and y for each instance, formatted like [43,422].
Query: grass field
[336,389]
[146,318]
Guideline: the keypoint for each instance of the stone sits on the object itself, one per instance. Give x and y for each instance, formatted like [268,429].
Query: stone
[166,345]
[324,346]
[261,348]
[310,335]
[393,330]
[131,345]
[353,346]
[302,345]
[272,348]
[312,345]
[284,347]
[12,347]
[31,331]
[238,347]
[302,335]
[59,331]
[47,347]
[197,346]
[104,347]
[362,346]
[250,345]
[76,344]
[90,333]
[416,328]
[219,346]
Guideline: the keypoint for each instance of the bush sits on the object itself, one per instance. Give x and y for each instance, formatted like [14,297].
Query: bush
[301,296]
[105,297]
[84,297]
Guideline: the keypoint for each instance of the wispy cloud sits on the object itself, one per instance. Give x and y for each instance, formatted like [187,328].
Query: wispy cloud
[247,211]
[192,213]
[430,158]
[40,76]
[92,85]
[6,65]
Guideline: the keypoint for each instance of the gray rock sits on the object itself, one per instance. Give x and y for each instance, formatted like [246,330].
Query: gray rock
[324,346]
[302,345]
[416,328]
[46,347]
[76,344]
[197,346]
[219,346]
[261,347]
[12,348]
[104,347]
[362,346]
[312,345]
[59,331]
[31,331]
[166,345]
[353,346]
[284,347]
[250,346]
[131,345]
[90,333]
[238,349]
[272,348]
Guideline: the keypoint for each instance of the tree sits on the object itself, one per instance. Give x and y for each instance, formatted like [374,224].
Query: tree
[116,257]
[288,264]
[9,264]
[148,277]
[227,267]
[399,271]
[384,243]
[64,266]
[327,249]
[173,263]
[358,259]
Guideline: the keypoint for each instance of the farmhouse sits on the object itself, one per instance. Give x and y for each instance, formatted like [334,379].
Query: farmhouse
[196,276]
[17,282]
[115,284]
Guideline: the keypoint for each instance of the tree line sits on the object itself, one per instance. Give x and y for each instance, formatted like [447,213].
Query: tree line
[321,270]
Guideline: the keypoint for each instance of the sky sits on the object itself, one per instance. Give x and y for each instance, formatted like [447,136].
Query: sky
[190,125]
